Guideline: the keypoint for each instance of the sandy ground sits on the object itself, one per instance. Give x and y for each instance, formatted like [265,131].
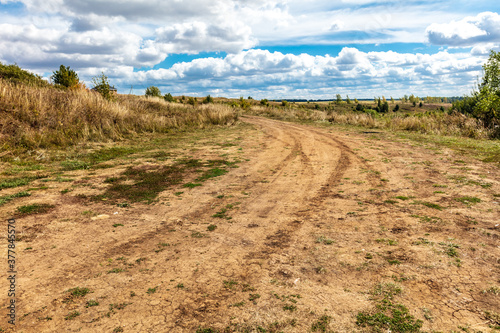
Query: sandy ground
[318,219]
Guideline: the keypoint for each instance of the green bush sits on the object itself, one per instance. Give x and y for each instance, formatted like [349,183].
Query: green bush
[153,91]
[65,77]
[101,85]
[208,99]
[15,74]
[169,98]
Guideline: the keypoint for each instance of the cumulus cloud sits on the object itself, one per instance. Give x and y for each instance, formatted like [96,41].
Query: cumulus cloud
[195,37]
[483,28]
[269,74]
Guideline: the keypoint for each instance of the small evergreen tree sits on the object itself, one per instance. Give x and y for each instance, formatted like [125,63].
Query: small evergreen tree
[65,77]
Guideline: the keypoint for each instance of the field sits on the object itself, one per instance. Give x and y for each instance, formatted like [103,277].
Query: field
[263,225]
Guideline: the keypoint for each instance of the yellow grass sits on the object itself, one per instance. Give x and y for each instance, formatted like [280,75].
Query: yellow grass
[34,117]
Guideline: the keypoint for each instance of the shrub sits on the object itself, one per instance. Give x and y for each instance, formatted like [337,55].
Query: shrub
[360,107]
[65,77]
[15,74]
[153,91]
[169,98]
[264,102]
[208,99]
[101,85]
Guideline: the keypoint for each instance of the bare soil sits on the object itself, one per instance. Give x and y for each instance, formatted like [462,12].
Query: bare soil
[308,225]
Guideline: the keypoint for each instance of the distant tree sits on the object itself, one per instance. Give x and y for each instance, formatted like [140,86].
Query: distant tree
[249,97]
[383,99]
[359,107]
[264,102]
[339,99]
[396,108]
[414,103]
[420,105]
[169,98]
[65,77]
[153,91]
[101,85]
[392,100]
[284,103]
[208,99]
[348,100]
[384,107]
[356,101]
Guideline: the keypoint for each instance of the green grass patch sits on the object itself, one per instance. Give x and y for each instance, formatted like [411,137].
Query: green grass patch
[20,181]
[34,209]
[6,198]
[468,200]
[191,185]
[212,173]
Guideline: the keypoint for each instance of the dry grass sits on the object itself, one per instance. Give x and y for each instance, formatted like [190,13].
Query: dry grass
[38,117]
[430,122]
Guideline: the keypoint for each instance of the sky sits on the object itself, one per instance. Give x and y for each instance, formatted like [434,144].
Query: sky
[274,49]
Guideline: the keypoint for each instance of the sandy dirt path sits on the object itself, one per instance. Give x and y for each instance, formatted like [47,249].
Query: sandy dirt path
[308,226]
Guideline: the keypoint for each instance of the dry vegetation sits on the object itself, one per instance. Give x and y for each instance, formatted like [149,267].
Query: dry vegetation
[427,120]
[38,117]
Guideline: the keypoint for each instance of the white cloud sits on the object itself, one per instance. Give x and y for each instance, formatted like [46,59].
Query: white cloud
[197,37]
[470,31]
[353,72]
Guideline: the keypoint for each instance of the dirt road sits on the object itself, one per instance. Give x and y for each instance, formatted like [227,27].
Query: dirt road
[314,227]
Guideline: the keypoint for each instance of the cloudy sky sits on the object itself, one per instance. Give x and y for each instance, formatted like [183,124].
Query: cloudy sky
[260,48]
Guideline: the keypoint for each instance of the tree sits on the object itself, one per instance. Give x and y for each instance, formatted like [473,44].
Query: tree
[488,106]
[348,100]
[65,77]
[101,85]
[339,99]
[153,91]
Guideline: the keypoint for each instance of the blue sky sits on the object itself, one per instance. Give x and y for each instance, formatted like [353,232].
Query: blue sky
[271,49]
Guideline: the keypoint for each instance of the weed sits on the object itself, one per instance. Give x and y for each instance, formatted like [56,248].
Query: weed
[229,284]
[324,240]
[391,202]
[211,227]
[222,214]
[76,292]
[152,290]
[206,330]
[253,298]
[387,241]
[115,270]
[492,290]
[118,329]
[91,303]
[393,261]
[180,286]
[117,225]
[240,304]
[321,325]
[400,197]
[72,315]
[368,256]
[289,307]
[197,234]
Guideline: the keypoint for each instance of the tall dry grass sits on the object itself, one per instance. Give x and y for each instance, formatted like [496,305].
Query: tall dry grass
[440,123]
[38,117]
